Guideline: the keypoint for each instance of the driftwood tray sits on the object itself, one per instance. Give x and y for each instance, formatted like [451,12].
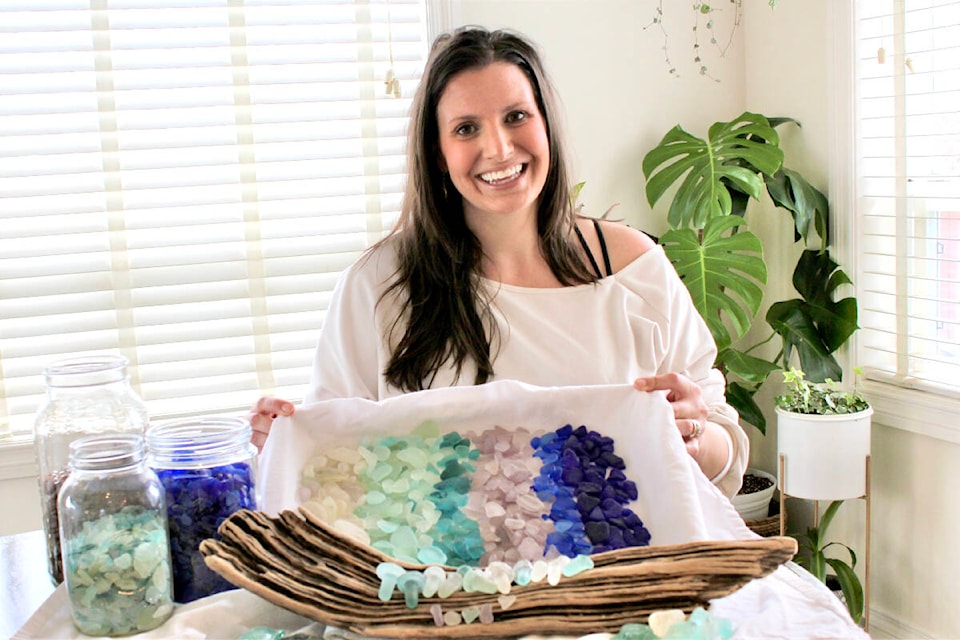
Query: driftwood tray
[299,563]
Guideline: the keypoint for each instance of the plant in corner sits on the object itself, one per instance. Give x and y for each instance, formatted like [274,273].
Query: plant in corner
[722,265]
[814,545]
[722,262]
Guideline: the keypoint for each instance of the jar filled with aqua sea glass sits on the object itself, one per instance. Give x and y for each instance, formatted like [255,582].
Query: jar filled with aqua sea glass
[85,396]
[208,469]
[113,532]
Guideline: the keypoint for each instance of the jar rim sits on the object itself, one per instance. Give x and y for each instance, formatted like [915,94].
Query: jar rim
[107,451]
[84,371]
[198,439]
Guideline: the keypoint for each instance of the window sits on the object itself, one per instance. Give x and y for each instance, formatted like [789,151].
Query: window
[909,197]
[908,192]
[182,181]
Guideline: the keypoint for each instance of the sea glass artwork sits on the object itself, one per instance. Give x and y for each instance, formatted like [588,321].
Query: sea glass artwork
[500,495]
[350,485]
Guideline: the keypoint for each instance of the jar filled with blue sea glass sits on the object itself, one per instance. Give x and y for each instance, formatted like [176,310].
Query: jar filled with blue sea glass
[113,533]
[208,469]
[86,395]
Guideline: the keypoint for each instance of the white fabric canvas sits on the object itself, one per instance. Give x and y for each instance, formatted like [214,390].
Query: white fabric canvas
[676,502]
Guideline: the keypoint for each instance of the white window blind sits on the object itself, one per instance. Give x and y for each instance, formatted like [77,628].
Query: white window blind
[182,181]
[908,219]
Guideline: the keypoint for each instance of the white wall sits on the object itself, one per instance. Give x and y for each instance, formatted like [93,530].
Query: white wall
[19,491]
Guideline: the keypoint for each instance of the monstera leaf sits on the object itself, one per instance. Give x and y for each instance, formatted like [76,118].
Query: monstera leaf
[753,372]
[815,325]
[724,272]
[748,368]
[735,153]
[740,397]
[711,182]
[806,203]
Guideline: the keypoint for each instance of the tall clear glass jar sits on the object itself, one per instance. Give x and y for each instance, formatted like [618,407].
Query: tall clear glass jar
[85,396]
[113,533]
[208,468]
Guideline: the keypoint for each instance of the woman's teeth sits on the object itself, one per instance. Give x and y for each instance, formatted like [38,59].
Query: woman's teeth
[495,177]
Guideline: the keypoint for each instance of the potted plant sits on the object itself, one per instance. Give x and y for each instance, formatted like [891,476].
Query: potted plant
[813,545]
[722,262]
[756,495]
[823,439]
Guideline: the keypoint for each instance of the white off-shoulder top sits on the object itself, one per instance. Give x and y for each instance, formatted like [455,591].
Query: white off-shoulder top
[637,322]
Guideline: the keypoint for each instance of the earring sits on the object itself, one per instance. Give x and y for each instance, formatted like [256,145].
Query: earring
[443,185]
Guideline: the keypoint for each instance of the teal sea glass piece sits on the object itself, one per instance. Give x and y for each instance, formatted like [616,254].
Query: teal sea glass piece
[410,584]
[635,631]
[577,565]
[262,633]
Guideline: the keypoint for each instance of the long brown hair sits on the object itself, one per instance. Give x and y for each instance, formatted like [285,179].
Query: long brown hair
[443,314]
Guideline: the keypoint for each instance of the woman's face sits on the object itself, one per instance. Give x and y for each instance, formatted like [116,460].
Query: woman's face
[493,140]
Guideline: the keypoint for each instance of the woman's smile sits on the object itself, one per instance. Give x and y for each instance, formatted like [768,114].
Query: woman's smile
[504,176]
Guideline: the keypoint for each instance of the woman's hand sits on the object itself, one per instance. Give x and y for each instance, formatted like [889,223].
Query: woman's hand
[686,399]
[262,415]
[703,440]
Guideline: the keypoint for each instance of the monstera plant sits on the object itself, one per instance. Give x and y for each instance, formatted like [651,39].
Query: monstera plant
[722,262]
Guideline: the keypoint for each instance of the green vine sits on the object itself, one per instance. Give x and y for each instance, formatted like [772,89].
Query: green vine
[704,20]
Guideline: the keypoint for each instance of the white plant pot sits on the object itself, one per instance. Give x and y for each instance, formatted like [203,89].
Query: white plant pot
[824,457]
[754,506]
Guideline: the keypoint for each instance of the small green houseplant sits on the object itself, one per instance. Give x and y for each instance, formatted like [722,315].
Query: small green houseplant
[826,399]
[823,439]
[814,545]
[722,262]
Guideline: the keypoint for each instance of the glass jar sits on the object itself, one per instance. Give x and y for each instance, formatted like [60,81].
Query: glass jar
[208,468]
[85,396]
[113,533]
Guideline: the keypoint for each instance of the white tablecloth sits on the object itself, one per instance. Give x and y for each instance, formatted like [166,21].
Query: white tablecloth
[788,604]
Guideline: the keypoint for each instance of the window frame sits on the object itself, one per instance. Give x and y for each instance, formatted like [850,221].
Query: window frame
[895,405]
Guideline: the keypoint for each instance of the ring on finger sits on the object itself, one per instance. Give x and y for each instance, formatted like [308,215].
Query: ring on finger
[697,429]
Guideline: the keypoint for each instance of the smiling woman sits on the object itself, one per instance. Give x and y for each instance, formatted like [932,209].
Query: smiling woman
[491,274]
[183,185]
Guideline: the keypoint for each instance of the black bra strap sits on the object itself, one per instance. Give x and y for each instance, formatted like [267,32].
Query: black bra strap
[589,253]
[603,248]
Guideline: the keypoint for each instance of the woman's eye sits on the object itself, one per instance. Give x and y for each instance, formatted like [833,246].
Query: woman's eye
[465,129]
[517,116]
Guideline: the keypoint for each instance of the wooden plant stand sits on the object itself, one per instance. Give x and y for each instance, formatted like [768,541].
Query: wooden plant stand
[816,521]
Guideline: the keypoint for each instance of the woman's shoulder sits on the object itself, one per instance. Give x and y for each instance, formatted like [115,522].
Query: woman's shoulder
[377,264]
[624,244]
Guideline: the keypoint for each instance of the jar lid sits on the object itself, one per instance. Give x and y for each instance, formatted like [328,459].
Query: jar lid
[86,371]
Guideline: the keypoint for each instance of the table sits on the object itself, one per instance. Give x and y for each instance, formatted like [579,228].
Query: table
[26,582]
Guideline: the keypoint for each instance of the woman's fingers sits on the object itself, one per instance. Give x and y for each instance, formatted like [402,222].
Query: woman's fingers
[685,397]
[262,415]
